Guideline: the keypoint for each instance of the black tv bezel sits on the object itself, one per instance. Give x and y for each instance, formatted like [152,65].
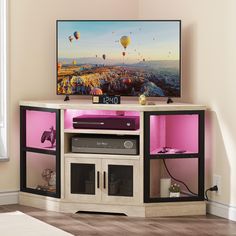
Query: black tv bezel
[180,52]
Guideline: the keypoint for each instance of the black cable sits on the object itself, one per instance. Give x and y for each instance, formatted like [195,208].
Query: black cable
[177,179]
[214,188]
[206,197]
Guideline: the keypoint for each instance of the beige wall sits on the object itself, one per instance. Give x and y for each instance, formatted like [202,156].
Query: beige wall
[209,56]
[32,40]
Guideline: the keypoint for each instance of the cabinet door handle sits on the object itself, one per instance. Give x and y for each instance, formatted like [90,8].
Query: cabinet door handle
[104,179]
[98,179]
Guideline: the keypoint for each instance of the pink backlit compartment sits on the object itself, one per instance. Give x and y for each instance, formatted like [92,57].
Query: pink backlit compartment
[36,164]
[70,114]
[175,133]
[36,123]
[185,169]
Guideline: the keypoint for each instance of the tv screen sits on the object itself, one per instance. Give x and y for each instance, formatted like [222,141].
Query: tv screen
[126,58]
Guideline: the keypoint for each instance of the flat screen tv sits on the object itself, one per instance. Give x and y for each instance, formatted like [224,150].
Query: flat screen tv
[119,57]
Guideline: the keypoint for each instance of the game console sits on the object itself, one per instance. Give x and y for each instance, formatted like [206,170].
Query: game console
[106,122]
[106,144]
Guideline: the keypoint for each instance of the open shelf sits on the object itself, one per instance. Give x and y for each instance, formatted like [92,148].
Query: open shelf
[174,134]
[175,156]
[99,131]
[101,156]
[40,173]
[185,170]
[69,114]
[40,150]
[40,129]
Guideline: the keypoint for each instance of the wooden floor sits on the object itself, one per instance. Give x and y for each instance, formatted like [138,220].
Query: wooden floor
[100,224]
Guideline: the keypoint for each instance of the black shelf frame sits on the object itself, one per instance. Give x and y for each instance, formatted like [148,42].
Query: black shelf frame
[200,156]
[24,149]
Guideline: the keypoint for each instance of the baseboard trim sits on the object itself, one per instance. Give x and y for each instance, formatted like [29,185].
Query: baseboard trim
[221,210]
[10,197]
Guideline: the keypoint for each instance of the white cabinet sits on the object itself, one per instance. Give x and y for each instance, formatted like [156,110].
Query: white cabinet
[102,180]
[115,183]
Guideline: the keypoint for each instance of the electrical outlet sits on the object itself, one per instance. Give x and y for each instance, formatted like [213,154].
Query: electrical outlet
[217,181]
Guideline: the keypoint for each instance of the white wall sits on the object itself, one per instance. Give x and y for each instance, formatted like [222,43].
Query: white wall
[209,56]
[32,37]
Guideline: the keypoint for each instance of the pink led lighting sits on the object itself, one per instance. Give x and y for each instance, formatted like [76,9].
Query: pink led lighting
[36,163]
[36,123]
[69,114]
[179,132]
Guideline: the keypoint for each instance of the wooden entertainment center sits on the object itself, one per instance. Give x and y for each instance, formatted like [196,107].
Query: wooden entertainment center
[171,142]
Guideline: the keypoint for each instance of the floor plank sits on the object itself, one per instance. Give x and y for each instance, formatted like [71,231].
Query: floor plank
[106,225]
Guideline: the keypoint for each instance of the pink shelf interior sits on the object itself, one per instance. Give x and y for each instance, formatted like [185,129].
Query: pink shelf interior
[70,114]
[185,170]
[36,163]
[179,132]
[36,123]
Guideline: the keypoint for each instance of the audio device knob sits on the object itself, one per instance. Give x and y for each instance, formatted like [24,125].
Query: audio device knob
[128,144]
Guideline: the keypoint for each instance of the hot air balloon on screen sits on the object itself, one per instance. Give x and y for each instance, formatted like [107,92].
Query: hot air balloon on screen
[76,35]
[104,56]
[125,41]
[96,91]
[70,38]
[127,81]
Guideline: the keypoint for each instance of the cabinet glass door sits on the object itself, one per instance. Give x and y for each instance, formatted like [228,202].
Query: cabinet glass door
[40,151]
[120,180]
[174,156]
[82,178]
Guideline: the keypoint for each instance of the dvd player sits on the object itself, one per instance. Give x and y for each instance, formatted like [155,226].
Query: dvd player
[106,144]
[106,122]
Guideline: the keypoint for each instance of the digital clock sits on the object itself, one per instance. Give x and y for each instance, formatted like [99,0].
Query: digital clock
[106,99]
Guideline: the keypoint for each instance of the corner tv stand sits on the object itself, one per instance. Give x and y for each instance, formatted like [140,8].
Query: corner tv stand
[171,149]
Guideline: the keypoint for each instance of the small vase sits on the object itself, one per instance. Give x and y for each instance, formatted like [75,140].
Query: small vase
[174,194]
[142,100]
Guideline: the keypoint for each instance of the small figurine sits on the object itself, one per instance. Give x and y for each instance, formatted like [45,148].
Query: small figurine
[142,99]
[174,190]
[49,136]
[48,175]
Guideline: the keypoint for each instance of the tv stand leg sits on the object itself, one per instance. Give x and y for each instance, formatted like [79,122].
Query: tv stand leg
[67,98]
[169,100]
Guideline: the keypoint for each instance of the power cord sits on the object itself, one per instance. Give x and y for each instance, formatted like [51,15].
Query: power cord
[214,188]
[177,179]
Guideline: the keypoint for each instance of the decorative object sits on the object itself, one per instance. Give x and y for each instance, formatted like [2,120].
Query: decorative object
[165,184]
[142,99]
[49,176]
[49,136]
[174,190]
[106,99]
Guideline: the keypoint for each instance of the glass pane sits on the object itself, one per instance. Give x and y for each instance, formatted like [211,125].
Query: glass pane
[185,170]
[173,134]
[83,178]
[120,180]
[40,129]
[41,172]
